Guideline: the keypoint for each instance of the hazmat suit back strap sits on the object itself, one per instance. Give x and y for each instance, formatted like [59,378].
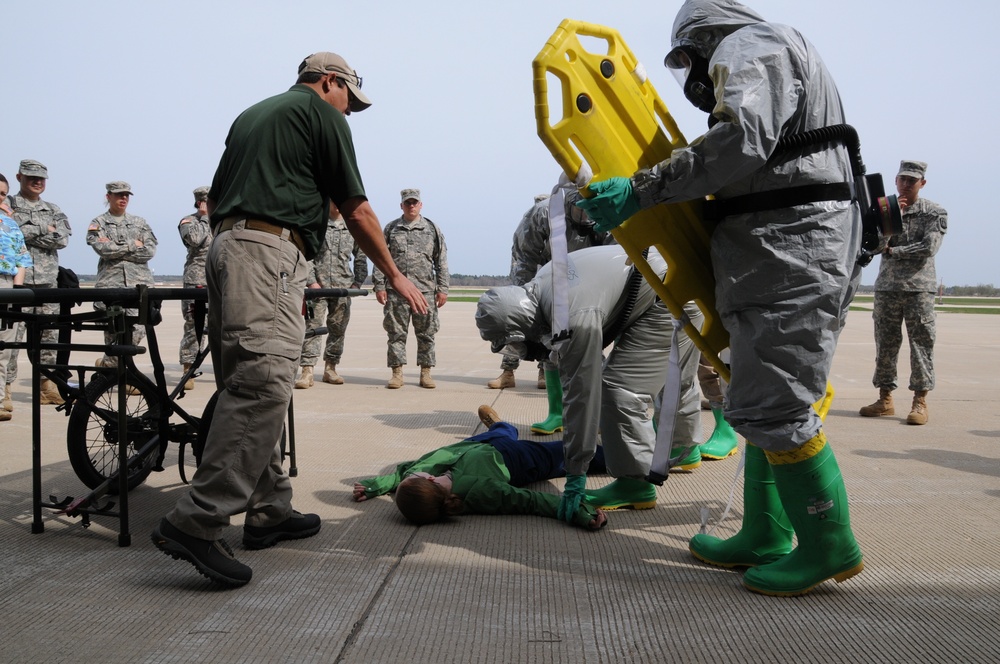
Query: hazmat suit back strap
[776,199]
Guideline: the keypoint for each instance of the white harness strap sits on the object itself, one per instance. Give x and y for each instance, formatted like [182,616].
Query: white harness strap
[663,457]
[560,262]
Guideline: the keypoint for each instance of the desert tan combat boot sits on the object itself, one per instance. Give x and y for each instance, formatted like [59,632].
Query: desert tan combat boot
[5,415]
[189,383]
[8,403]
[396,381]
[425,378]
[305,381]
[503,381]
[331,376]
[48,394]
[918,412]
[541,378]
[881,407]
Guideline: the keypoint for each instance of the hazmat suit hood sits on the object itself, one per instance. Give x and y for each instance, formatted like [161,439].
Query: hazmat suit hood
[509,315]
[702,24]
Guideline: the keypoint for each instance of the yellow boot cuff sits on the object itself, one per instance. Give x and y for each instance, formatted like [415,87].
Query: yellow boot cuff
[808,450]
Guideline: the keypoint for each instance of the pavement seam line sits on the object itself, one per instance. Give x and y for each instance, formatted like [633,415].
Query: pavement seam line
[360,623]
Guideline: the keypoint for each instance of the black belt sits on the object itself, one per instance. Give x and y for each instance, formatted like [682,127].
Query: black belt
[265,227]
[777,199]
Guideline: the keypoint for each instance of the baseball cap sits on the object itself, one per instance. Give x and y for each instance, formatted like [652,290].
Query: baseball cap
[118,187]
[325,62]
[913,169]
[33,168]
[407,194]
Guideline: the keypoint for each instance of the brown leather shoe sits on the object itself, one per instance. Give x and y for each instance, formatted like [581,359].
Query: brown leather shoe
[488,416]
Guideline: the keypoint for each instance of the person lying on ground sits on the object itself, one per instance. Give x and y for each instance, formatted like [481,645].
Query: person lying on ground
[484,474]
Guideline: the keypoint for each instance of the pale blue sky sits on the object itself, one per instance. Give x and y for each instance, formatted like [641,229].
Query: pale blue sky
[145,92]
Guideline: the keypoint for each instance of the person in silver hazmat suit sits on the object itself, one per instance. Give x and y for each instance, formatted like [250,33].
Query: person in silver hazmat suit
[613,396]
[786,270]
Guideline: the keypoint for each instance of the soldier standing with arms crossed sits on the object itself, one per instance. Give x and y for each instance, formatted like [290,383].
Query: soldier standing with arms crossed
[125,244]
[46,230]
[196,234]
[286,158]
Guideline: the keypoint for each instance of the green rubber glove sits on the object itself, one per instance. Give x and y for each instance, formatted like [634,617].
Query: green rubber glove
[613,202]
[573,493]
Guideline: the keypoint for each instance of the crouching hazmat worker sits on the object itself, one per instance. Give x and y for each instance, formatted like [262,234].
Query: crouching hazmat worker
[785,258]
[607,301]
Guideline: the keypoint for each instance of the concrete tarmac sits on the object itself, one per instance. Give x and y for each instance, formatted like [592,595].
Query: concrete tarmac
[370,587]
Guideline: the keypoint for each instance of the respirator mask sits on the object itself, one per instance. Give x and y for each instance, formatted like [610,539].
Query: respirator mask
[691,71]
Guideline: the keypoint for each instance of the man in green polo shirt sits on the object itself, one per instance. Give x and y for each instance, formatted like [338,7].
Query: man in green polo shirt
[286,158]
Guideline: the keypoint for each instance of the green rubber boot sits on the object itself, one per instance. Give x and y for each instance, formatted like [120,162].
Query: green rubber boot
[812,492]
[723,442]
[766,534]
[553,422]
[691,461]
[623,492]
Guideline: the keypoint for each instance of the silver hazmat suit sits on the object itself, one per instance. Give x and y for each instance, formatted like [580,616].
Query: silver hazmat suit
[612,396]
[784,277]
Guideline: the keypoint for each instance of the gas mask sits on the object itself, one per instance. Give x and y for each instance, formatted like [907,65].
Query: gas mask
[578,220]
[691,71]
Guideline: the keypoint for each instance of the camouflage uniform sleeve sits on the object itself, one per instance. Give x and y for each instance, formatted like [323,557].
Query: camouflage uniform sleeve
[378,279]
[360,265]
[193,233]
[146,252]
[441,264]
[39,235]
[927,240]
[97,238]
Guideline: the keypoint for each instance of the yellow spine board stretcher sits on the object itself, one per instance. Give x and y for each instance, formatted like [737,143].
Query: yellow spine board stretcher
[614,123]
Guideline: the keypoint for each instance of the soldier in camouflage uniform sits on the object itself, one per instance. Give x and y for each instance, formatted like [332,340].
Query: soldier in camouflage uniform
[418,248]
[340,263]
[530,250]
[125,244]
[904,291]
[46,230]
[196,234]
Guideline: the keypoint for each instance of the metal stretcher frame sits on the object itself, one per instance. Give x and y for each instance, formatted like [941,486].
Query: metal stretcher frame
[145,300]
[614,123]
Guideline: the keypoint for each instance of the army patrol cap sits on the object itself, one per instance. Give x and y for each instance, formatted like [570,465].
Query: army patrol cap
[32,168]
[407,194]
[201,194]
[327,63]
[118,187]
[913,169]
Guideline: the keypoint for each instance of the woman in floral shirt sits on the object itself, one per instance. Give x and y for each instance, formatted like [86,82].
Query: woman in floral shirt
[14,258]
